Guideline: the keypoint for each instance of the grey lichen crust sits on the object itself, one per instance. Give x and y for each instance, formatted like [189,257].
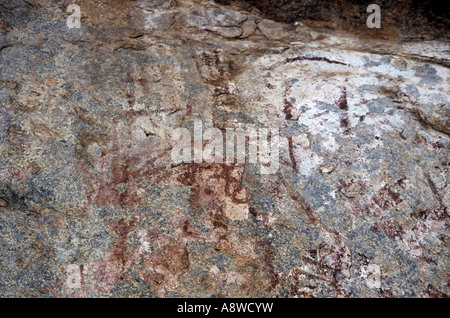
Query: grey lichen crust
[357,208]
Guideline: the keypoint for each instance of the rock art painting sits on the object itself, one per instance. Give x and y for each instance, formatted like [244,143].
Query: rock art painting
[200,148]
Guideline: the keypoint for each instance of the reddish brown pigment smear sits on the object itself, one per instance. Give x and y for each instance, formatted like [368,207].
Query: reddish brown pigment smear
[305,207]
[120,253]
[195,176]
[433,292]
[314,58]
[120,175]
[267,256]
[291,154]
[384,197]
[288,109]
[129,78]
[170,261]
[386,293]
[345,123]
[390,228]
[131,100]
[441,213]
[189,108]
[212,185]
[175,259]
[301,58]
[342,102]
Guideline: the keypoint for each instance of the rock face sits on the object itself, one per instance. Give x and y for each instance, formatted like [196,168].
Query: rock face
[407,19]
[358,206]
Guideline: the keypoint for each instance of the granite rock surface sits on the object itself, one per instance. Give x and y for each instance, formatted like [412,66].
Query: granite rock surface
[357,208]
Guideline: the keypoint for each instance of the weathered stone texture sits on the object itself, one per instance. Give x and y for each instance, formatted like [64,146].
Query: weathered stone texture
[358,207]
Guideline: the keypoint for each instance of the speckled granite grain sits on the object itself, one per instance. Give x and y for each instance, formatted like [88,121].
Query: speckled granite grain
[358,207]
